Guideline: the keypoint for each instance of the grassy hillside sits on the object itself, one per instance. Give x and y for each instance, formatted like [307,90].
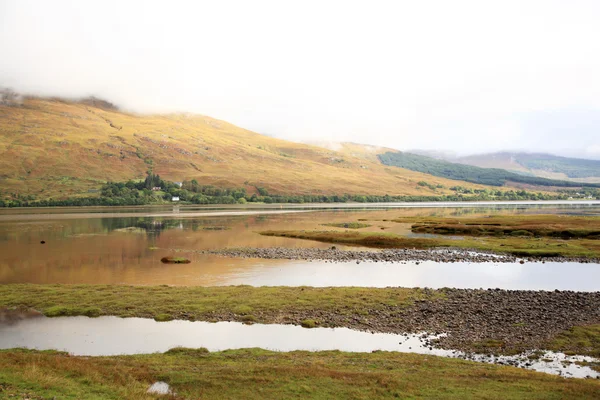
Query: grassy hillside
[54,148]
[486,176]
[538,164]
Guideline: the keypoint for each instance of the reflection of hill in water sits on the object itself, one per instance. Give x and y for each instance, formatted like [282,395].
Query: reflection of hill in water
[154,226]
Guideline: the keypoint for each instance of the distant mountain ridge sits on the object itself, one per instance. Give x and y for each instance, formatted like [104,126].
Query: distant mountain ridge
[536,164]
[469,173]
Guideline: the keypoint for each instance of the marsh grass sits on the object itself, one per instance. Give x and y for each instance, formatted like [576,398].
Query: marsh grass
[259,374]
[552,226]
[578,340]
[521,246]
[203,303]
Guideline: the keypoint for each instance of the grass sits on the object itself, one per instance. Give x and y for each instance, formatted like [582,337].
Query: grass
[163,318]
[67,148]
[578,340]
[309,323]
[348,225]
[553,226]
[369,239]
[203,303]
[519,246]
[259,374]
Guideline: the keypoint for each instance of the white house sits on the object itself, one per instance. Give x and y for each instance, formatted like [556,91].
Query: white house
[175,198]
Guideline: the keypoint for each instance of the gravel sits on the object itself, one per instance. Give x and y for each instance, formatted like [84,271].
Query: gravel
[388,255]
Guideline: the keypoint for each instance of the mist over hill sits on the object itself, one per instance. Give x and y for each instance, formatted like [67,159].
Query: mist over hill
[60,148]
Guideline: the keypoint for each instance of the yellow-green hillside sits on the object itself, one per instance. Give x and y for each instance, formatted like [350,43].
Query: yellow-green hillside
[56,148]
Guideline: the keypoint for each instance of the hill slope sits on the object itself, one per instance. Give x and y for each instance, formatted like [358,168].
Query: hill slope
[532,164]
[487,176]
[539,164]
[55,148]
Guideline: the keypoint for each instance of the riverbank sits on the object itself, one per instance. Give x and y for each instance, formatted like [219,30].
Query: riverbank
[258,374]
[488,321]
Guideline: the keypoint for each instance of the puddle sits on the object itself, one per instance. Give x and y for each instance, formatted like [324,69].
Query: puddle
[114,336]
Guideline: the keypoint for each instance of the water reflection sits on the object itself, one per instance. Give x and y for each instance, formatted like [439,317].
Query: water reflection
[127,250]
[510,276]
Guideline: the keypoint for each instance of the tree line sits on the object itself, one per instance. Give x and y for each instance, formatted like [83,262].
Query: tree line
[134,193]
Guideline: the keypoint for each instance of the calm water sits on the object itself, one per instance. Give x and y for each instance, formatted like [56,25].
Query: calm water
[124,246]
[113,336]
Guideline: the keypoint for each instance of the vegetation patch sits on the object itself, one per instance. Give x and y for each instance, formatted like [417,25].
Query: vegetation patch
[206,303]
[369,239]
[309,323]
[348,225]
[552,226]
[578,340]
[163,317]
[520,246]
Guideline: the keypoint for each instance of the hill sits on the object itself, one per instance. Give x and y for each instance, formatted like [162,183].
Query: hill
[542,165]
[52,148]
[533,164]
[469,173]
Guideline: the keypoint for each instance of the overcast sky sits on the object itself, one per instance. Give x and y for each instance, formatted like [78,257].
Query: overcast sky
[465,76]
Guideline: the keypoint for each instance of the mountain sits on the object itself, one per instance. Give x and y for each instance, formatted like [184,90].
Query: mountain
[533,164]
[53,148]
[469,173]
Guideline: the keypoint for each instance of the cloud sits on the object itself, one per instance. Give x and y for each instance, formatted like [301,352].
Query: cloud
[462,75]
[593,151]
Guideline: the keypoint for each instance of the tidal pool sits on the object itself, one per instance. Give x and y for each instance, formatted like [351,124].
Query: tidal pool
[106,336]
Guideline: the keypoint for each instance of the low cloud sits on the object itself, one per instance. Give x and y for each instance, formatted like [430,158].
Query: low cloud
[465,76]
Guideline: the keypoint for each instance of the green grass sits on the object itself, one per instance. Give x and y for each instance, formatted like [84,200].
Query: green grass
[516,245]
[260,374]
[578,340]
[163,317]
[203,303]
[309,323]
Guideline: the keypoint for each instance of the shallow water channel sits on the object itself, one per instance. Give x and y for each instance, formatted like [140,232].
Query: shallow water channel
[105,336]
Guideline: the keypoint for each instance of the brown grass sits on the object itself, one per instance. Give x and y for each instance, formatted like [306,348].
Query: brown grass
[557,226]
[59,149]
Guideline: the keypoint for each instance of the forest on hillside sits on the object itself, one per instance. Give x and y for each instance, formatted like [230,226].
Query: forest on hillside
[572,167]
[468,173]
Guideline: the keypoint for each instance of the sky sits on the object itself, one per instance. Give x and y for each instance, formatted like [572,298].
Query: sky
[459,76]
